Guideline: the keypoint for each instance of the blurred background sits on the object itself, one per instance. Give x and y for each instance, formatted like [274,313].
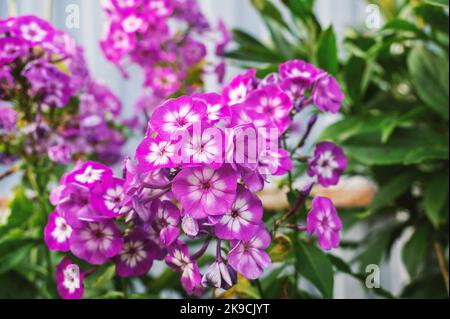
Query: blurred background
[236,14]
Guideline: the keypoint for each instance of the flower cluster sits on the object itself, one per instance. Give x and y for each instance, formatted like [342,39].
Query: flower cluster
[196,175]
[164,38]
[59,109]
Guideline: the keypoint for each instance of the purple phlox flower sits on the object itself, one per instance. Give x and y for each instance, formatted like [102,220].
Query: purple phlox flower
[193,52]
[60,153]
[204,191]
[225,38]
[137,255]
[11,49]
[162,222]
[8,119]
[243,219]
[327,94]
[299,69]
[106,198]
[96,242]
[274,161]
[249,257]
[90,175]
[190,225]
[33,30]
[155,153]
[69,278]
[327,164]
[57,232]
[217,108]
[164,81]
[273,103]
[239,88]
[325,222]
[295,88]
[177,115]
[179,259]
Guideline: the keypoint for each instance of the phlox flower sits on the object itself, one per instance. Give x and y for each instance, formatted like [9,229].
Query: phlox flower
[325,222]
[69,278]
[299,69]
[216,107]
[243,219]
[239,88]
[249,257]
[90,174]
[327,164]
[204,191]
[155,153]
[96,242]
[57,232]
[107,198]
[327,94]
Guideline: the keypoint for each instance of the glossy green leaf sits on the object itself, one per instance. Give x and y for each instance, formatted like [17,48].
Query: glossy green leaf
[435,197]
[415,251]
[327,53]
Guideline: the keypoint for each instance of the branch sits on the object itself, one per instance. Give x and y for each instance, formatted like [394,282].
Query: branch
[9,172]
[442,266]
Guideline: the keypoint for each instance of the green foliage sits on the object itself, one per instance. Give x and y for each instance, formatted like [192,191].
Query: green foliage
[394,129]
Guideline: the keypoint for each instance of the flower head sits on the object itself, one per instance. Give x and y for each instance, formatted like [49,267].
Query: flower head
[96,242]
[204,191]
[57,233]
[220,275]
[69,278]
[328,164]
[327,94]
[249,257]
[325,222]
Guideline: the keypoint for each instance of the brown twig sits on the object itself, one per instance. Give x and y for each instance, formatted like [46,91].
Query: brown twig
[9,172]
[442,266]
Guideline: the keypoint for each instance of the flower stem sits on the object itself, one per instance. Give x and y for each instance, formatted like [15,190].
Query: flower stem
[202,250]
[9,172]
[442,266]
[260,288]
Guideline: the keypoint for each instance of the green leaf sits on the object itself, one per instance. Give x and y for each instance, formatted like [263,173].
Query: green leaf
[429,74]
[268,9]
[415,250]
[21,209]
[404,26]
[327,54]
[13,250]
[246,39]
[315,265]
[435,198]
[15,286]
[392,190]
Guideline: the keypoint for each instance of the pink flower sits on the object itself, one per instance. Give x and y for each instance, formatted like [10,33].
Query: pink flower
[243,220]
[239,88]
[328,164]
[163,80]
[161,224]
[69,279]
[249,257]
[204,191]
[96,242]
[325,222]
[177,115]
[33,30]
[11,49]
[327,94]
[57,232]
[137,255]
[155,153]
[193,52]
[179,259]
[107,198]
[90,175]
[217,108]
[273,103]
[299,69]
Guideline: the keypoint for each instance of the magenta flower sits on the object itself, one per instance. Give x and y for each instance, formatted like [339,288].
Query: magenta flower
[57,232]
[177,115]
[11,49]
[325,222]
[90,175]
[107,198]
[244,218]
[96,242]
[328,164]
[295,87]
[249,257]
[69,278]
[299,69]
[217,108]
[32,30]
[162,222]
[8,119]
[137,255]
[203,191]
[239,88]
[327,94]
[273,103]
[193,52]
[163,80]
[155,153]
[179,259]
